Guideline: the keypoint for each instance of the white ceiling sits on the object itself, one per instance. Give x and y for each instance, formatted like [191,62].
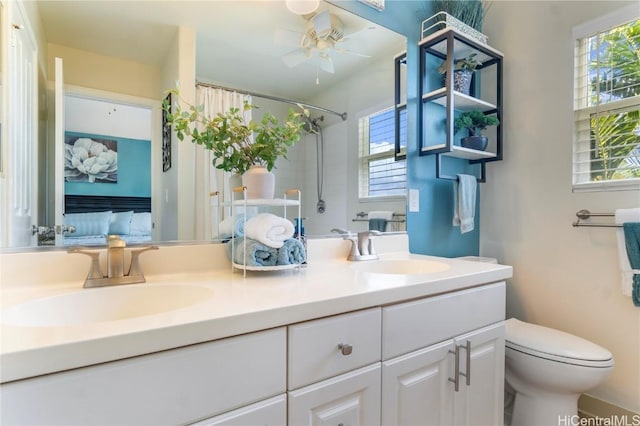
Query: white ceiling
[235,39]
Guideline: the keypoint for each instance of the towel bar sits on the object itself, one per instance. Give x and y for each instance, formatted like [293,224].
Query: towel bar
[586,214]
[362,217]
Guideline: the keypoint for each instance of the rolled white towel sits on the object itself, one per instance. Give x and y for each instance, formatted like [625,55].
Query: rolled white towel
[269,229]
[380,214]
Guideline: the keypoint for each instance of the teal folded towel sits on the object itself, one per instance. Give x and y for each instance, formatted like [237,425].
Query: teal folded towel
[378,225]
[292,252]
[632,243]
[258,254]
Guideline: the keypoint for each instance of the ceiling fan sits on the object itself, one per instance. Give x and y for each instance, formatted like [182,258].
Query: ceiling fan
[323,35]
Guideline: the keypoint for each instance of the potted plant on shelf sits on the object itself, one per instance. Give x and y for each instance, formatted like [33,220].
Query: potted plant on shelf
[463,69]
[229,137]
[474,121]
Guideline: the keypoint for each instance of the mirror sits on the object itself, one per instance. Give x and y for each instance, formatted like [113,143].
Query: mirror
[245,45]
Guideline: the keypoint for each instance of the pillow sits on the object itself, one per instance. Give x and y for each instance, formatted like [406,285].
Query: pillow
[120,223]
[141,224]
[88,223]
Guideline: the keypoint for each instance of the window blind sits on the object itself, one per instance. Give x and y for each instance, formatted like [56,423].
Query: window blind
[380,174]
[606,149]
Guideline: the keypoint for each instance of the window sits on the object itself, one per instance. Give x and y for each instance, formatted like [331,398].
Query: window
[606,150]
[380,174]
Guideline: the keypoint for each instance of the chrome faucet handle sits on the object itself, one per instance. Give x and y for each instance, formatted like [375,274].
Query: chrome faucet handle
[95,272]
[134,269]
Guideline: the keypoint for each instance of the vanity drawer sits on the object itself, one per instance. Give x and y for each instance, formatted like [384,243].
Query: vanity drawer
[314,347]
[172,387]
[414,325]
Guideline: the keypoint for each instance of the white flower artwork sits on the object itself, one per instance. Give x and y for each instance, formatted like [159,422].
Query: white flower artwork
[90,160]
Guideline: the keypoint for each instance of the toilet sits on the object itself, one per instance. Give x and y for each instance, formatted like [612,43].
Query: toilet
[548,370]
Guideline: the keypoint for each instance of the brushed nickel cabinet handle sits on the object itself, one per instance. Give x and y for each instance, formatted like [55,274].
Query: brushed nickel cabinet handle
[456,367]
[467,375]
[345,348]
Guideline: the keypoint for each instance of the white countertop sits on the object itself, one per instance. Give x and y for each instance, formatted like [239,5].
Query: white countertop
[239,304]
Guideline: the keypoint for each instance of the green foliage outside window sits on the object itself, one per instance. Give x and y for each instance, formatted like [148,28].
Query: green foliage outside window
[614,71]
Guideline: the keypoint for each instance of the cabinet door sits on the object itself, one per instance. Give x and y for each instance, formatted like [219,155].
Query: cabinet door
[481,397]
[271,412]
[349,399]
[416,389]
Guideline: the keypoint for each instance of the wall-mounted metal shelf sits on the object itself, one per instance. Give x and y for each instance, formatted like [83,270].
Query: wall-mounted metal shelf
[442,103]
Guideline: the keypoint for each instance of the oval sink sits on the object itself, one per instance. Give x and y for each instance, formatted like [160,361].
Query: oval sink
[401,267]
[104,304]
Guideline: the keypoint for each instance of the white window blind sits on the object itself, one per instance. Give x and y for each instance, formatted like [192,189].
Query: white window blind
[379,173]
[606,149]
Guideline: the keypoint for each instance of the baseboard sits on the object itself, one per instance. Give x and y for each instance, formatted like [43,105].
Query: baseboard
[589,406]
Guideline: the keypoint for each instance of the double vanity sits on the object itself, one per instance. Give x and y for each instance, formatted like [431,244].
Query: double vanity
[406,339]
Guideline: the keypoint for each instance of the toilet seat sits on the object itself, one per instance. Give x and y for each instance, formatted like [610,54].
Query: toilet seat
[555,345]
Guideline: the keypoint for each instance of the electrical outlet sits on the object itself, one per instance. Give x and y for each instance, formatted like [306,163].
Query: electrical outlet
[414,200]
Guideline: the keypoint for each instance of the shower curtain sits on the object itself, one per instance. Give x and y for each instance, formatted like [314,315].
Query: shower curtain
[208,178]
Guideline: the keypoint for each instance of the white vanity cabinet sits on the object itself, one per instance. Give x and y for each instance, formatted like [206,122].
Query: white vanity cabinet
[393,365]
[421,341]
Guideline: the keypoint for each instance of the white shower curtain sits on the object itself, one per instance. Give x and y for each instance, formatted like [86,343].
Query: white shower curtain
[208,178]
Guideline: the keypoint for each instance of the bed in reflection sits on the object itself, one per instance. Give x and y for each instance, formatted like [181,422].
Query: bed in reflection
[95,217]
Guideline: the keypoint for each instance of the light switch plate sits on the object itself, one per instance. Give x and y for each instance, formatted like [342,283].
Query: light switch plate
[414,200]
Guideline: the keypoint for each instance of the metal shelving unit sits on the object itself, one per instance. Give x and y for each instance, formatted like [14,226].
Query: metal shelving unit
[448,45]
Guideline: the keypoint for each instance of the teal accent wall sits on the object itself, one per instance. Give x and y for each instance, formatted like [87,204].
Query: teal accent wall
[430,230]
[134,170]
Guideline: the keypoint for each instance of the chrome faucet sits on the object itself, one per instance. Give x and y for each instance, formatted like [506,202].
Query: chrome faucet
[115,264]
[361,245]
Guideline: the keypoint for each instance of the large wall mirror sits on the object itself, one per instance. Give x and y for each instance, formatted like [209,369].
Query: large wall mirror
[116,57]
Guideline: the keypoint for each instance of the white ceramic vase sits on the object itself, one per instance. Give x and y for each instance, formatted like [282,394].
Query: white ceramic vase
[235,181]
[260,182]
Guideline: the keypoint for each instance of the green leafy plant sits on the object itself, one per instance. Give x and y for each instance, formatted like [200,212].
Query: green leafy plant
[474,121]
[466,63]
[228,136]
[471,12]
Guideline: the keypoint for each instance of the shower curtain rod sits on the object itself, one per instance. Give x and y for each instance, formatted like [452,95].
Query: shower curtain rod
[342,115]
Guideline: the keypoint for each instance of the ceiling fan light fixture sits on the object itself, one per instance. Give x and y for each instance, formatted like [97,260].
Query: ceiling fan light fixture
[302,7]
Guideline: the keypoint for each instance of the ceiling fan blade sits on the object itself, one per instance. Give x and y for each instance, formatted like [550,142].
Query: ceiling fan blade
[322,23]
[287,38]
[295,58]
[326,64]
[350,52]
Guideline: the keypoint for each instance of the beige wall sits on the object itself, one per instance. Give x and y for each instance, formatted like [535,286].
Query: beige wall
[87,69]
[564,277]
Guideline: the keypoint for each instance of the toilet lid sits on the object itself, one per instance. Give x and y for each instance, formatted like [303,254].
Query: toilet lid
[554,344]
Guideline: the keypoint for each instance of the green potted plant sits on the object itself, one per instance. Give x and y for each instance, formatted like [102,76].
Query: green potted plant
[463,69]
[474,121]
[229,137]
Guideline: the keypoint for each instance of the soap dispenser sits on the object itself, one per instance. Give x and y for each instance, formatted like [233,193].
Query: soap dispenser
[300,234]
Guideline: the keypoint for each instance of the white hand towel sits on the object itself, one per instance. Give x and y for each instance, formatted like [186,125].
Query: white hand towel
[464,205]
[622,216]
[269,229]
[380,214]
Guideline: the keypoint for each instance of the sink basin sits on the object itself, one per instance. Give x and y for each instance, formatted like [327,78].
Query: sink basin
[401,267]
[104,304]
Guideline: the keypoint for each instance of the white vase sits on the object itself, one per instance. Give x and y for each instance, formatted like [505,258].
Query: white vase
[260,182]
[235,181]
